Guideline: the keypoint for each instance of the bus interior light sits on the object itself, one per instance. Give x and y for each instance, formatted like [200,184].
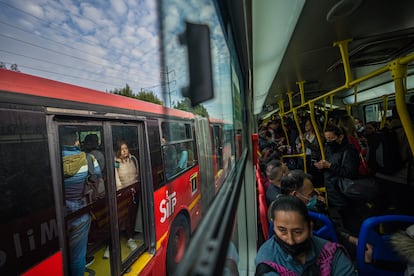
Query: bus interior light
[377,92]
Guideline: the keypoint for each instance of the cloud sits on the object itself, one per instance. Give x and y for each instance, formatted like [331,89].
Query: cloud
[105,44]
[119,7]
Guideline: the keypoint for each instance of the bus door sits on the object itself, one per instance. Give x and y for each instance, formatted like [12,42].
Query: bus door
[218,146]
[100,173]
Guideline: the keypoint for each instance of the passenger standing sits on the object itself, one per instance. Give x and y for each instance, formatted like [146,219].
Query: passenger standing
[341,162]
[347,122]
[76,173]
[127,174]
[92,146]
[313,152]
[293,250]
[359,126]
[397,187]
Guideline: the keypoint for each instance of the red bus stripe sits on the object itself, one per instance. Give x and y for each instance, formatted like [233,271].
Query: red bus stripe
[50,266]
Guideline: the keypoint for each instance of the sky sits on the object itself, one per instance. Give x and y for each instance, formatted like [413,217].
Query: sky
[105,45]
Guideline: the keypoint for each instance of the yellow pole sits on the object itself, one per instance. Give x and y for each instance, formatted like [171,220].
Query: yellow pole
[399,74]
[281,114]
[302,91]
[315,128]
[303,154]
[326,114]
[343,47]
[290,99]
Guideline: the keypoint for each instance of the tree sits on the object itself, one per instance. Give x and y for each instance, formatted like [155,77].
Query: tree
[3,65]
[13,67]
[143,96]
[149,97]
[185,105]
[126,91]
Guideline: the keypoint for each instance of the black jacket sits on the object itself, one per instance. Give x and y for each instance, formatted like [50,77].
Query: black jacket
[340,167]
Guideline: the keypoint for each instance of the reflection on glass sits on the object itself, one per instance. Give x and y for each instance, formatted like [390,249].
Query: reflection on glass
[175,13]
[127,182]
[79,168]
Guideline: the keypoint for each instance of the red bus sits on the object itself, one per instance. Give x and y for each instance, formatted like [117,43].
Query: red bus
[221,138]
[139,227]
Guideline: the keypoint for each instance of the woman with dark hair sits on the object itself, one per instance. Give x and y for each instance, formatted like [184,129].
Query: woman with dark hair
[293,250]
[342,161]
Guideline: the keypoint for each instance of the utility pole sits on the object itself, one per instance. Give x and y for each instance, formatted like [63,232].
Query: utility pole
[168,85]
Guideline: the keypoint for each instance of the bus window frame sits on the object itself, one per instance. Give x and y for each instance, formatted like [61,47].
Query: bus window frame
[191,140]
[53,122]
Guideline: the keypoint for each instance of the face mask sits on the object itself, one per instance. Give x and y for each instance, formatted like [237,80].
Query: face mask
[312,203]
[296,249]
[332,144]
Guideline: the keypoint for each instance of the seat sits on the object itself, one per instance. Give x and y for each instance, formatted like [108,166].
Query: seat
[327,231]
[263,215]
[385,261]
[260,182]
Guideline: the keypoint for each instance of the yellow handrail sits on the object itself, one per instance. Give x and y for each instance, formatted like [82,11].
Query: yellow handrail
[399,74]
[316,130]
[398,68]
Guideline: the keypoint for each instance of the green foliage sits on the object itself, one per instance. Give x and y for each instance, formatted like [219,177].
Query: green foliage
[185,105]
[147,96]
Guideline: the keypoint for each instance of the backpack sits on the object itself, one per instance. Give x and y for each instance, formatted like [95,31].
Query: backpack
[383,152]
[323,262]
[73,163]
[94,186]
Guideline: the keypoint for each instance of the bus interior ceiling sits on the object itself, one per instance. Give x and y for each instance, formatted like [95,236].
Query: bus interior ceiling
[379,31]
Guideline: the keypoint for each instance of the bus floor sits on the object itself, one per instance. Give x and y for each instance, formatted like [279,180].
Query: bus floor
[101,265]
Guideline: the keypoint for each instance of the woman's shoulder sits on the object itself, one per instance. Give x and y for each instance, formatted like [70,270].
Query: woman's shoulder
[266,251]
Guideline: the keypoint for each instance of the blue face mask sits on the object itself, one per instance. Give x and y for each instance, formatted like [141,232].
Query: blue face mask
[312,202]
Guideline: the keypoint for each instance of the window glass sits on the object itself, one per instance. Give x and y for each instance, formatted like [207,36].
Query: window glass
[27,210]
[155,153]
[128,186]
[179,149]
[172,131]
[83,192]
[174,15]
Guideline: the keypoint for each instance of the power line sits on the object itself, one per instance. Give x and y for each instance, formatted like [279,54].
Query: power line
[63,44]
[67,76]
[89,42]
[67,66]
[60,53]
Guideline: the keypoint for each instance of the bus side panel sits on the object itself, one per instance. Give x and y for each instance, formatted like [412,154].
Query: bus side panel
[182,191]
[50,266]
[28,225]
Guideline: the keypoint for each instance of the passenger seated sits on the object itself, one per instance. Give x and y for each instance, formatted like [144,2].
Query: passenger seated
[275,175]
[182,162]
[170,160]
[293,249]
[297,183]
[403,243]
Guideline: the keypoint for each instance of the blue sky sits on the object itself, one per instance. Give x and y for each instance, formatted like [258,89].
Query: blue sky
[101,46]
[105,44]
